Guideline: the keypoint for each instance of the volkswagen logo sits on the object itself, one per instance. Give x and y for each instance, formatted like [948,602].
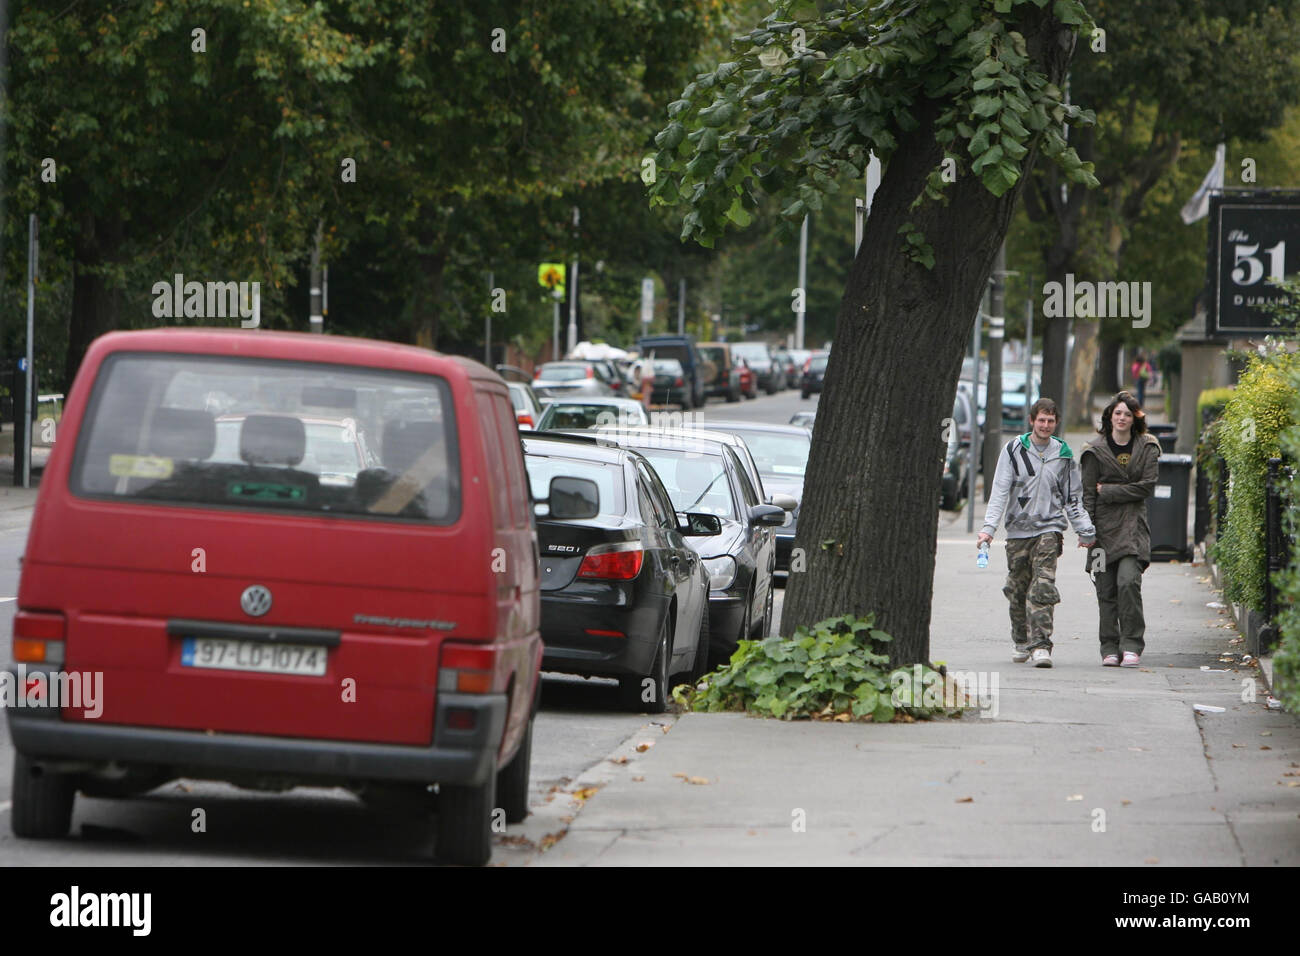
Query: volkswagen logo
[255,600]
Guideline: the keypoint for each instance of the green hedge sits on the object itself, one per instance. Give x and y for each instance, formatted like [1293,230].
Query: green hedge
[1286,659]
[1212,398]
[1249,434]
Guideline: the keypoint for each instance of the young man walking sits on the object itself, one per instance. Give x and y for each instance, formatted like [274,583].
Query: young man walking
[1037,488]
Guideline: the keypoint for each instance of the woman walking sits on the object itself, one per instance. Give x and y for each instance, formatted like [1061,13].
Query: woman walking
[1120,469]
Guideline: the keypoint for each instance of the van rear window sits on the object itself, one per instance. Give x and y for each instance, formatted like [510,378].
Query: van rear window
[261,434]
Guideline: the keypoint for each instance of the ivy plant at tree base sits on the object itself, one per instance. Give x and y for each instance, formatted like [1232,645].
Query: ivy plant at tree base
[836,670]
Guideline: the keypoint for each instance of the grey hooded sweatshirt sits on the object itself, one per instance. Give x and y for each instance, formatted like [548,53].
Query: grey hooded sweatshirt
[1036,491]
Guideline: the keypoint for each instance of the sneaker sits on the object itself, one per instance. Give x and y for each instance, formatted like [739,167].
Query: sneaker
[1042,657]
[1020,654]
[1131,659]
[1110,660]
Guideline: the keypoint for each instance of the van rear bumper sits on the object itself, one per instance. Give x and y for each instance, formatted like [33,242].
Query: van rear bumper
[457,757]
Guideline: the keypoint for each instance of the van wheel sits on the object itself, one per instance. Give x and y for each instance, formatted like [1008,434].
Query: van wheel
[512,779]
[43,801]
[465,822]
[630,688]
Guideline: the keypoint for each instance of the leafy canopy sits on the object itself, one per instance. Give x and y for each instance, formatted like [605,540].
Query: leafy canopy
[809,96]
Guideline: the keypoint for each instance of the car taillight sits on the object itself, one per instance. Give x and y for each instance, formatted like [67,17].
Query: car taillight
[807,364]
[612,562]
[38,637]
[467,669]
[523,418]
[537,373]
[591,373]
[679,381]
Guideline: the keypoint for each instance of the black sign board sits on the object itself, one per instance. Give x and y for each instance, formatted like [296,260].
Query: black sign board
[1254,238]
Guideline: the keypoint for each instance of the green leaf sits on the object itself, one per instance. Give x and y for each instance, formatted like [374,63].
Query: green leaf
[986,105]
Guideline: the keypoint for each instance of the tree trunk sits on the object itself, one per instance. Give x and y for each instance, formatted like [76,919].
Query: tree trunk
[1108,376]
[1083,362]
[428,299]
[94,304]
[869,515]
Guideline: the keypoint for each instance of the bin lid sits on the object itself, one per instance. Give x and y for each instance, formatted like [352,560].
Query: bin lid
[1176,459]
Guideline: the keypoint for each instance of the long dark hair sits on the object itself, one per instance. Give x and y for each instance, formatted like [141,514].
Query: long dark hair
[1134,406]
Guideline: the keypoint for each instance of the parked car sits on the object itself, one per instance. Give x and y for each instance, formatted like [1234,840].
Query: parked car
[528,411]
[567,379]
[591,412]
[794,359]
[607,372]
[725,379]
[759,359]
[957,454]
[334,450]
[260,626]
[682,348]
[814,373]
[748,380]
[623,593]
[804,419]
[781,455]
[706,476]
[671,384]
[1013,398]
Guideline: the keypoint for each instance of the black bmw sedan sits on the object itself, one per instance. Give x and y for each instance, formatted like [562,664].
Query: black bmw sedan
[623,594]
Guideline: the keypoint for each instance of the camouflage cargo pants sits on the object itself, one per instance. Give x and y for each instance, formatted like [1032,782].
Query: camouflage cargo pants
[1031,588]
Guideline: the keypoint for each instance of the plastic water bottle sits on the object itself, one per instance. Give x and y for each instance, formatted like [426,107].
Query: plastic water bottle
[982,559]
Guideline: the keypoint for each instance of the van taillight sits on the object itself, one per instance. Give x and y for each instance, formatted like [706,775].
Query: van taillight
[467,669]
[606,563]
[39,636]
[591,373]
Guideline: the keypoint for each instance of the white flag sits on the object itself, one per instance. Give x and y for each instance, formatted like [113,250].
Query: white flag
[1198,207]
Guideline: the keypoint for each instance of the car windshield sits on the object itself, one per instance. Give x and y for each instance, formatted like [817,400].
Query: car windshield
[668,367]
[677,352]
[261,434]
[778,454]
[712,353]
[563,373]
[695,481]
[519,398]
[577,415]
[819,363]
[750,351]
[608,478]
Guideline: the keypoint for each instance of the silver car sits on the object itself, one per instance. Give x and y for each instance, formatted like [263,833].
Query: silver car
[569,379]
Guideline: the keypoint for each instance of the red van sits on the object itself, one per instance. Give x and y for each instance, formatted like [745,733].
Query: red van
[288,559]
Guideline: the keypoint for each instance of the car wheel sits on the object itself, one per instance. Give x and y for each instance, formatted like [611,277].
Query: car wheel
[804,393]
[767,613]
[733,395]
[719,658]
[42,801]
[630,688]
[701,665]
[465,822]
[687,401]
[512,779]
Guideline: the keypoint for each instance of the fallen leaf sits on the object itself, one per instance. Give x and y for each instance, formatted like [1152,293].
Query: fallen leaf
[1152,859]
[680,774]
[638,779]
[1293,783]
[1175,601]
[1266,733]
[643,747]
[698,781]
[1125,803]
[619,759]
[549,841]
[751,833]
[585,793]
[842,718]
[965,800]
[979,761]
[1265,747]
[1075,796]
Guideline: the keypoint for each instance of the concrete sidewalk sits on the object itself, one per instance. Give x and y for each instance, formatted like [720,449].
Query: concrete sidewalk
[1080,766]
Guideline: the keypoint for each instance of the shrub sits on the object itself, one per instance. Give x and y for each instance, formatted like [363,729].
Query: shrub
[1286,659]
[1249,435]
[833,671]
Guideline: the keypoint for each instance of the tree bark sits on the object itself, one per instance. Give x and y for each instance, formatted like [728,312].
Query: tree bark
[869,517]
[94,304]
[428,299]
[1108,367]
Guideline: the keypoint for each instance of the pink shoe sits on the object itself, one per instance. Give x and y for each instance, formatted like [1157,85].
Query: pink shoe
[1131,659]
[1110,660]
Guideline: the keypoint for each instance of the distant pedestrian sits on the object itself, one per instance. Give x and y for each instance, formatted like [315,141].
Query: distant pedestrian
[1037,487]
[1120,469]
[1141,372]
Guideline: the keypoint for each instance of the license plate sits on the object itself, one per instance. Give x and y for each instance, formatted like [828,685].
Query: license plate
[303,660]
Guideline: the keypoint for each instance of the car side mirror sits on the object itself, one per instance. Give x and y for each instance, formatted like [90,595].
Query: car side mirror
[784,502]
[698,525]
[767,515]
[573,498]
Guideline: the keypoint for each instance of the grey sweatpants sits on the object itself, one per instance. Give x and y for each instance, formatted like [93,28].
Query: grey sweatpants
[1119,601]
